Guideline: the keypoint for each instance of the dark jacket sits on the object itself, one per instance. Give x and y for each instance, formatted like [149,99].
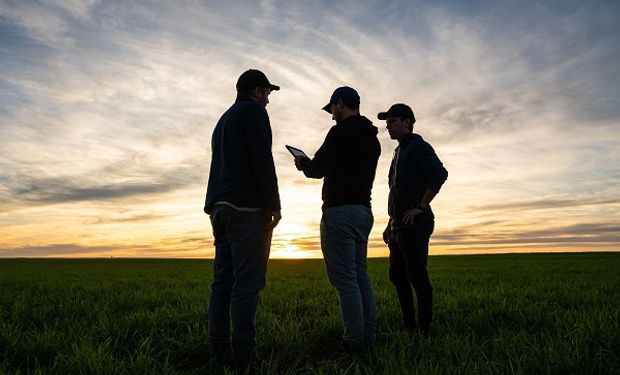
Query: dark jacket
[242,169]
[347,161]
[417,169]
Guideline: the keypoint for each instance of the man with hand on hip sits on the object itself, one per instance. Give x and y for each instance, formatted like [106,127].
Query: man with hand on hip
[415,177]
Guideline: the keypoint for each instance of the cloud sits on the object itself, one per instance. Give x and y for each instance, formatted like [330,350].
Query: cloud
[115,102]
[306,243]
[55,250]
[590,234]
[55,192]
[26,189]
[40,21]
[79,9]
[140,218]
[120,251]
[547,203]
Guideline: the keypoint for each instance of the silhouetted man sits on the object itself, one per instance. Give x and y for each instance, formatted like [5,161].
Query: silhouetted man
[415,177]
[244,206]
[347,162]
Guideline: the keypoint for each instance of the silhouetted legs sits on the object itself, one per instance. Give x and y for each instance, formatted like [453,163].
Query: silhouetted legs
[344,242]
[241,254]
[408,260]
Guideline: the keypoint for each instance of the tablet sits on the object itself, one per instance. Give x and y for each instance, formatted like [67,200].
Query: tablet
[295,151]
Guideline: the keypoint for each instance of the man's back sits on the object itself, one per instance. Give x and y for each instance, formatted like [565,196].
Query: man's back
[243,206]
[347,161]
[242,168]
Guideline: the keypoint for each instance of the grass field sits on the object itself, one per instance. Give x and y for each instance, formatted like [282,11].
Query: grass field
[548,313]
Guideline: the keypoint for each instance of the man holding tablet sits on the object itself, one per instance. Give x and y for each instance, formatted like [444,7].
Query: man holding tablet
[347,162]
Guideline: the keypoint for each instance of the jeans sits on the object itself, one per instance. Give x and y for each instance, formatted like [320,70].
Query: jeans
[408,260]
[241,254]
[344,241]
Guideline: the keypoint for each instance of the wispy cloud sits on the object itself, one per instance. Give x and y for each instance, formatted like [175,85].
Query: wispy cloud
[131,218]
[107,108]
[541,204]
[65,190]
[54,250]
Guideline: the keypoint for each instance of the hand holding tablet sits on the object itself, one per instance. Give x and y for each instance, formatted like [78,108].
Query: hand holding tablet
[296,152]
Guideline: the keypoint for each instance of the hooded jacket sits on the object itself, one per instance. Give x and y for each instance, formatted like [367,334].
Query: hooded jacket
[414,169]
[242,168]
[347,161]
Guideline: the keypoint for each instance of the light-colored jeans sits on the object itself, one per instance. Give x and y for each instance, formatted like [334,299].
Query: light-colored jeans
[344,242]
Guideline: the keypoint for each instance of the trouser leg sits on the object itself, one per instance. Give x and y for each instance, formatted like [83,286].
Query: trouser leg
[369,305]
[344,242]
[219,300]
[414,243]
[339,256]
[242,252]
[250,256]
[399,277]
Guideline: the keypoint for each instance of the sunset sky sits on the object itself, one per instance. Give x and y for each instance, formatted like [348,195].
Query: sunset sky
[107,110]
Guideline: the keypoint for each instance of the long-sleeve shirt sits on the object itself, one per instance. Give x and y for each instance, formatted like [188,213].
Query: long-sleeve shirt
[347,161]
[414,169]
[242,170]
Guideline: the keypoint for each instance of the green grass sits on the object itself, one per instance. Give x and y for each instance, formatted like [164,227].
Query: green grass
[550,313]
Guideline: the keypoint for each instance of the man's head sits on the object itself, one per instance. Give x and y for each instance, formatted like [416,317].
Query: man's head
[399,120]
[254,84]
[343,102]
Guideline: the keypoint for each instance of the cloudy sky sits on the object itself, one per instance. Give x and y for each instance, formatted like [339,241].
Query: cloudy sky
[107,109]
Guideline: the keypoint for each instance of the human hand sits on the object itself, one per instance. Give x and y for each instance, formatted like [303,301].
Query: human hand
[298,162]
[409,215]
[276,217]
[387,234]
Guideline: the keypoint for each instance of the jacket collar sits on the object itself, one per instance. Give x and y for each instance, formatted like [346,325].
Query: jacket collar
[350,119]
[407,137]
[241,98]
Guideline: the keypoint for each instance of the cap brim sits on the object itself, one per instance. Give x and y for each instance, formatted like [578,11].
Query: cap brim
[274,87]
[383,115]
[327,108]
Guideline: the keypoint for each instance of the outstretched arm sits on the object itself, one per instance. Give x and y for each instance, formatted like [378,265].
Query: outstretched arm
[318,166]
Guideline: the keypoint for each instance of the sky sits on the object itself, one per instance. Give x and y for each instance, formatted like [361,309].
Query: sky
[107,109]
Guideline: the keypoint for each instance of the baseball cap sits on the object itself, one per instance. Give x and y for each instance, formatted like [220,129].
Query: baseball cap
[398,110]
[252,78]
[347,94]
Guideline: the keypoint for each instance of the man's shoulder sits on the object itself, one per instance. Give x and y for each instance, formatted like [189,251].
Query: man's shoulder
[418,140]
[248,111]
[248,105]
[335,130]
[416,144]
